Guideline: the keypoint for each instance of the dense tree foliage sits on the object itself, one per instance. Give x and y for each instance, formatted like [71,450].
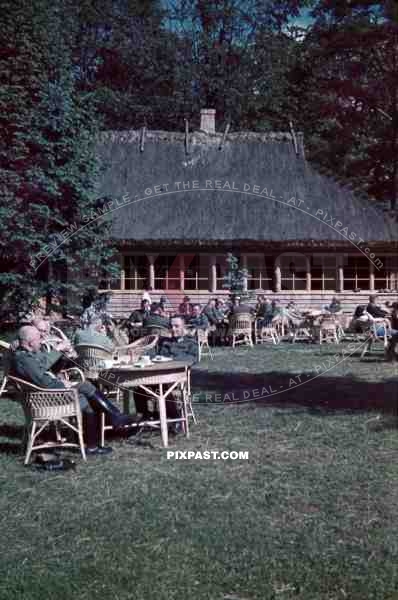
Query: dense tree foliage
[346,88]
[69,68]
[48,168]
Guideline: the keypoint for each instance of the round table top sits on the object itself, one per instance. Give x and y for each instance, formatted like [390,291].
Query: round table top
[169,365]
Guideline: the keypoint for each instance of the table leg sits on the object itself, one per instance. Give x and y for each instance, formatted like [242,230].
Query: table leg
[163,417]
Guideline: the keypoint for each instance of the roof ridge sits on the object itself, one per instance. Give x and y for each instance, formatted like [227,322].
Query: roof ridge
[197,136]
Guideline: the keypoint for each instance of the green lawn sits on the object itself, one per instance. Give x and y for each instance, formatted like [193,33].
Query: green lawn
[311,515]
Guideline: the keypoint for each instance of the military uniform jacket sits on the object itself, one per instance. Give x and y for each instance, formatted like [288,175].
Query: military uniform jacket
[200,322]
[32,367]
[183,348]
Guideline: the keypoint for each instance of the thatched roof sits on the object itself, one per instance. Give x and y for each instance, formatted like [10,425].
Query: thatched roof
[202,216]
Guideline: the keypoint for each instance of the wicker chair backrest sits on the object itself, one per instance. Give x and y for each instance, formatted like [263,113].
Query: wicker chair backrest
[241,322]
[91,356]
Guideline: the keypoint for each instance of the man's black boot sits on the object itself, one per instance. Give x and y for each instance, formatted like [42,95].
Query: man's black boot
[117,419]
[91,435]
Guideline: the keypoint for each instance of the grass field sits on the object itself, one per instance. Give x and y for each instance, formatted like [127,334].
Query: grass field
[311,515]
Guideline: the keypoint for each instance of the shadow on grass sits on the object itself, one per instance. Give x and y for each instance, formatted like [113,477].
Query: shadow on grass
[305,389]
[11,431]
[16,432]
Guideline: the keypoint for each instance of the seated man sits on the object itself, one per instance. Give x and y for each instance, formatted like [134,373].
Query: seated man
[179,346]
[334,306]
[55,342]
[199,319]
[28,362]
[156,319]
[221,309]
[165,306]
[95,334]
[211,312]
[264,312]
[374,310]
[185,308]
[239,308]
[139,316]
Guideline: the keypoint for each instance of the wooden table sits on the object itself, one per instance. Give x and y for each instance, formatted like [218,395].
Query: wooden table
[173,373]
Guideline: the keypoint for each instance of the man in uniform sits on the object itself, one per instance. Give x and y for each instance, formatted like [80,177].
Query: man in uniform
[156,320]
[199,319]
[139,316]
[179,346]
[28,362]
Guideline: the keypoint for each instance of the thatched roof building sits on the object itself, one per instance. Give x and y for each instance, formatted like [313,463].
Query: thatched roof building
[204,194]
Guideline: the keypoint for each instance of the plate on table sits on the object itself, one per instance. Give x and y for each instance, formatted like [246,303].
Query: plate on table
[142,364]
[161,359]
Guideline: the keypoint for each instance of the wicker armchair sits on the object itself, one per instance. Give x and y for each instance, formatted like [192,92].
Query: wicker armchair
[328,330]
[136,349]
[43,406]
[264,334]
[241,326]
[373,326]
[281,324]
[202,336]
[91,358]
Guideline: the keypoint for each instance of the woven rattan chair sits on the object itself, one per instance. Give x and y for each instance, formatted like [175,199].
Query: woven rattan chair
[281,324]
[4,349]
[202,336]
[188,405]
[241,327]
[91,358]
[264,334]
[138,348]
[374,339]
[45,406]
[328,330]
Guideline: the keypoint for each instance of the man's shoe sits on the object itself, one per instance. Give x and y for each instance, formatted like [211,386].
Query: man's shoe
[99,451]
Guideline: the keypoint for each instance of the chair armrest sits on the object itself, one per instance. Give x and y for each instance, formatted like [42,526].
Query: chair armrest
[72,370]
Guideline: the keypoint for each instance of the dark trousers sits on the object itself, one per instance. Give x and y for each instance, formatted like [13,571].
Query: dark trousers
[86,391]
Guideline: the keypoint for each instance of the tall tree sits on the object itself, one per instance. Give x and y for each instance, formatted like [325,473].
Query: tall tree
[347,94]
[224,54]
[48,168]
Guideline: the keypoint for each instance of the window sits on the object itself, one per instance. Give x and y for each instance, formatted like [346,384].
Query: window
[356,272]
[324,272]
[167,272]
[221,269]
[293,271]
[261,272]
[136,272]
[386,277]
[197,271]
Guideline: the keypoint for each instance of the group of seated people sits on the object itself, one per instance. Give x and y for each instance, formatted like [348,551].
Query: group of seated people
[385,319]
[32,360]
[214,316]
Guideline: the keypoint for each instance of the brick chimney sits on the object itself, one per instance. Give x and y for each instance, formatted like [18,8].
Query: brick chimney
[208,120]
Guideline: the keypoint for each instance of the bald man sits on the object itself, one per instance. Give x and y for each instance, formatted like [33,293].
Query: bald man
[31,364]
